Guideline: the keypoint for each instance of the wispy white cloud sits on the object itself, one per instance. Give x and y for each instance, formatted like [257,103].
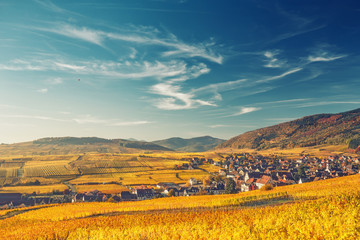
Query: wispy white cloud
[134,123]
[287,73]
[86,119]
[245,110]
[248,87]
[64,112]
[176,69]
[217,88]
[219,126]
[89,119]
[55,81]
[50,6]
[324,58]
[43,90]
[177,100]
[292,34]
[257,90]
[133,53]
[284,101]
[222,86]
[171,62]
[272,61]
[22,65]
[137,35]
[175,46]
[64,66]
[81,33]
[323,53]
[81,119]
[37,117]
[170,74]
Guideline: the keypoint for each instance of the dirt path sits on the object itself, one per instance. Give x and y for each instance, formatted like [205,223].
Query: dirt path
[71,187]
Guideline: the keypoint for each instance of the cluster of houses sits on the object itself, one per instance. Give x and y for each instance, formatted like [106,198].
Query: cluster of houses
[253,172]
[249,172]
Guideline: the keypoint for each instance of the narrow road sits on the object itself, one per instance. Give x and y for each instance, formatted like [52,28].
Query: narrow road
[71,187]
[20,171]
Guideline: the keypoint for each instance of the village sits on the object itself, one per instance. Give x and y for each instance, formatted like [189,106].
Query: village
[238,173]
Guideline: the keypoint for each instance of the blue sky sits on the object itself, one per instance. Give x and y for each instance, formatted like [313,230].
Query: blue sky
[156,69]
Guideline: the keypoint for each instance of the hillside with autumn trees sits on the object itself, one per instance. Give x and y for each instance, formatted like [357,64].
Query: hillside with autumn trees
[321,129]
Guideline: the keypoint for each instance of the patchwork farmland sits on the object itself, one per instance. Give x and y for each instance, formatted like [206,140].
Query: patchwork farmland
[84,171]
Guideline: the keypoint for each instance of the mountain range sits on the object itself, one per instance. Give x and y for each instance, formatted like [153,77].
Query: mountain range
[78,145]
[329,129]
[320,129]
[197,144]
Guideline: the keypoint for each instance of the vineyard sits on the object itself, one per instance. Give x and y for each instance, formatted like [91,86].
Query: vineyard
[327,209]
[98,168]
[8,172]
[44,189]
[48,171]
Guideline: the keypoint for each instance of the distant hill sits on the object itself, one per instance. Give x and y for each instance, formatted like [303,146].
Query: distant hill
[74,145]
[198,144]
[330,129]
[141,145]
[71,141]
[96,141]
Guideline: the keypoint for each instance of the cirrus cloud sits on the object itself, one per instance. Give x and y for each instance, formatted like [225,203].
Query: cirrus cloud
[245,110]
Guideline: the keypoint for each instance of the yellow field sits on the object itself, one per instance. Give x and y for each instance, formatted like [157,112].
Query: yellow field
[326,209]
[142,177]
[43,180]
[128,169]
[197,174]
[49,171]
[42,163]
[42,189]
[98,178]
[8,172]
[210,168]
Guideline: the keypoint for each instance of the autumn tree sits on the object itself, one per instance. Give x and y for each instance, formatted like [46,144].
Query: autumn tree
[266,187]
[230,186]
[206,181]
[217,178]
[171,193]
[301,171]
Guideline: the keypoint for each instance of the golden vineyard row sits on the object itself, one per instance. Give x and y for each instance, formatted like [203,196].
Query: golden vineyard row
[319,210]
